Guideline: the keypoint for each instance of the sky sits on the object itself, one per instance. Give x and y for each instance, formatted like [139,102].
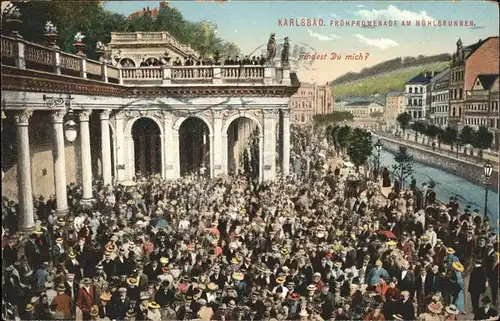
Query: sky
[249,23]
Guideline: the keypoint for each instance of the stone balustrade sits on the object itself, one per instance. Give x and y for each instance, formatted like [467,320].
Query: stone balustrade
[27,55]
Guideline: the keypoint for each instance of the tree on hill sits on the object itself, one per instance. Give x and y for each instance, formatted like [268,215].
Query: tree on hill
[96,24]
[403,120]
[404,165]
[359,147]
[391,65]
[333,117]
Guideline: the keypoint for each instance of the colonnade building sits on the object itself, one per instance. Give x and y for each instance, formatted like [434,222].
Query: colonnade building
[69,119]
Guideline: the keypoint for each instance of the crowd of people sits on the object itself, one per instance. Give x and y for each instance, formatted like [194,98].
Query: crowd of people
[323,243]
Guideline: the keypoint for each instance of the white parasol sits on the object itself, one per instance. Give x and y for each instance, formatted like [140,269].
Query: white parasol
[128,183]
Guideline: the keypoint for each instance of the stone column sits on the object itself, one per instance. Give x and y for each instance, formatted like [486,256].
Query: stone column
[269,154]
[106,148]
[86,156]
[25,191]
[169,151]
[58,154]
[120,148]
[285,141]
[176,155]
[218,151]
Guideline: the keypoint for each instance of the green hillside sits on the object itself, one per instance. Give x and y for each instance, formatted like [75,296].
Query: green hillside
[383,83]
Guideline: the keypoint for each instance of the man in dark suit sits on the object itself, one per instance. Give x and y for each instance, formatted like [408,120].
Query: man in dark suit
[477,284]
[121,305]
[486,311]
[32,251]
[406,279]
[152,270]
[406,308]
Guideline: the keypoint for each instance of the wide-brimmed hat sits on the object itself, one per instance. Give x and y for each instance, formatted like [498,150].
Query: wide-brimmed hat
[425,238]
[486,300]
[130,313]
[285,251]
[154,305]
[145,296]
[280,280]
[59,240]
[391,243]
[238,276]
[106,296]
[86,281]
[30,308]
[212,286]
[231,304]
[163,260]
[94,311]
[405,293]
[457,266]
[452,309]
[435,307]
[61,288]
[311,287]
[397,317]
[264,269]
[132,281]
[111,248]
[235,260]
[49,284]
[71,254]
[450,250]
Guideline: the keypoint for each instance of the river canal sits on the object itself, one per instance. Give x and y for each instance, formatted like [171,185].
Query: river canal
[448,185]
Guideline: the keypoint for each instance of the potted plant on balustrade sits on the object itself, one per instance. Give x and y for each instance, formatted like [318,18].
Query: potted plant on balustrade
[79,45]
[101,51]
[51,34]
[12,16]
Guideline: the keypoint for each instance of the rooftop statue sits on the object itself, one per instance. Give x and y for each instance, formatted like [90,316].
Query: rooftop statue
[271,48]
[285,53]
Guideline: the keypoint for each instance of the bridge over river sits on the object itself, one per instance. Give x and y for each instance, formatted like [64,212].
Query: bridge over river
[448,185]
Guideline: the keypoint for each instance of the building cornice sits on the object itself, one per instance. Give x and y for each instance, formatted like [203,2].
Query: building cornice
[28,80]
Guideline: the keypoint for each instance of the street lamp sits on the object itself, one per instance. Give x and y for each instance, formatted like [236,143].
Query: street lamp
[69,126]
[378,147]
[487,171]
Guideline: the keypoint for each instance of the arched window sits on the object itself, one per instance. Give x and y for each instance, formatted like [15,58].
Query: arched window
[127,63]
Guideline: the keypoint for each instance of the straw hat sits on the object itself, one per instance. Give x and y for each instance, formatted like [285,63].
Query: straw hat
[30,308]
[231,304]
[130,313]
[59,240]
[392,243]
[457,266]
[235,260]
[435,307]
[285,251]
[106,296]
[111,248]
[311,287]
[238,276]
[95,311]
[405,293]
[397,317]
[452,309]
[86,281]
[212,286]
[71,254]
[61,288]
[450,250]
[280,280]
[264,269]
[132,281]
[163,260]
[154,305]
[49,284]
[425,238]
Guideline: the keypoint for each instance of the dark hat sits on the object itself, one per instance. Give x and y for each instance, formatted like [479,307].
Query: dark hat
[486,300]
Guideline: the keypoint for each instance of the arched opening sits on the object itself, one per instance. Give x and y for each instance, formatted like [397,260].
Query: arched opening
[127,63]
[243,154]
[194,147]
[147,146]
[151,61]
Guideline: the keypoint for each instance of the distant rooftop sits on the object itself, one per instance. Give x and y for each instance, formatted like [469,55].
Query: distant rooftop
[362,103]
[421,78]
[394,93]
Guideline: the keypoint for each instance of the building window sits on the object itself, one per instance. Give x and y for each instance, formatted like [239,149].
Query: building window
[453,114]
[420,102]
[461,92]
